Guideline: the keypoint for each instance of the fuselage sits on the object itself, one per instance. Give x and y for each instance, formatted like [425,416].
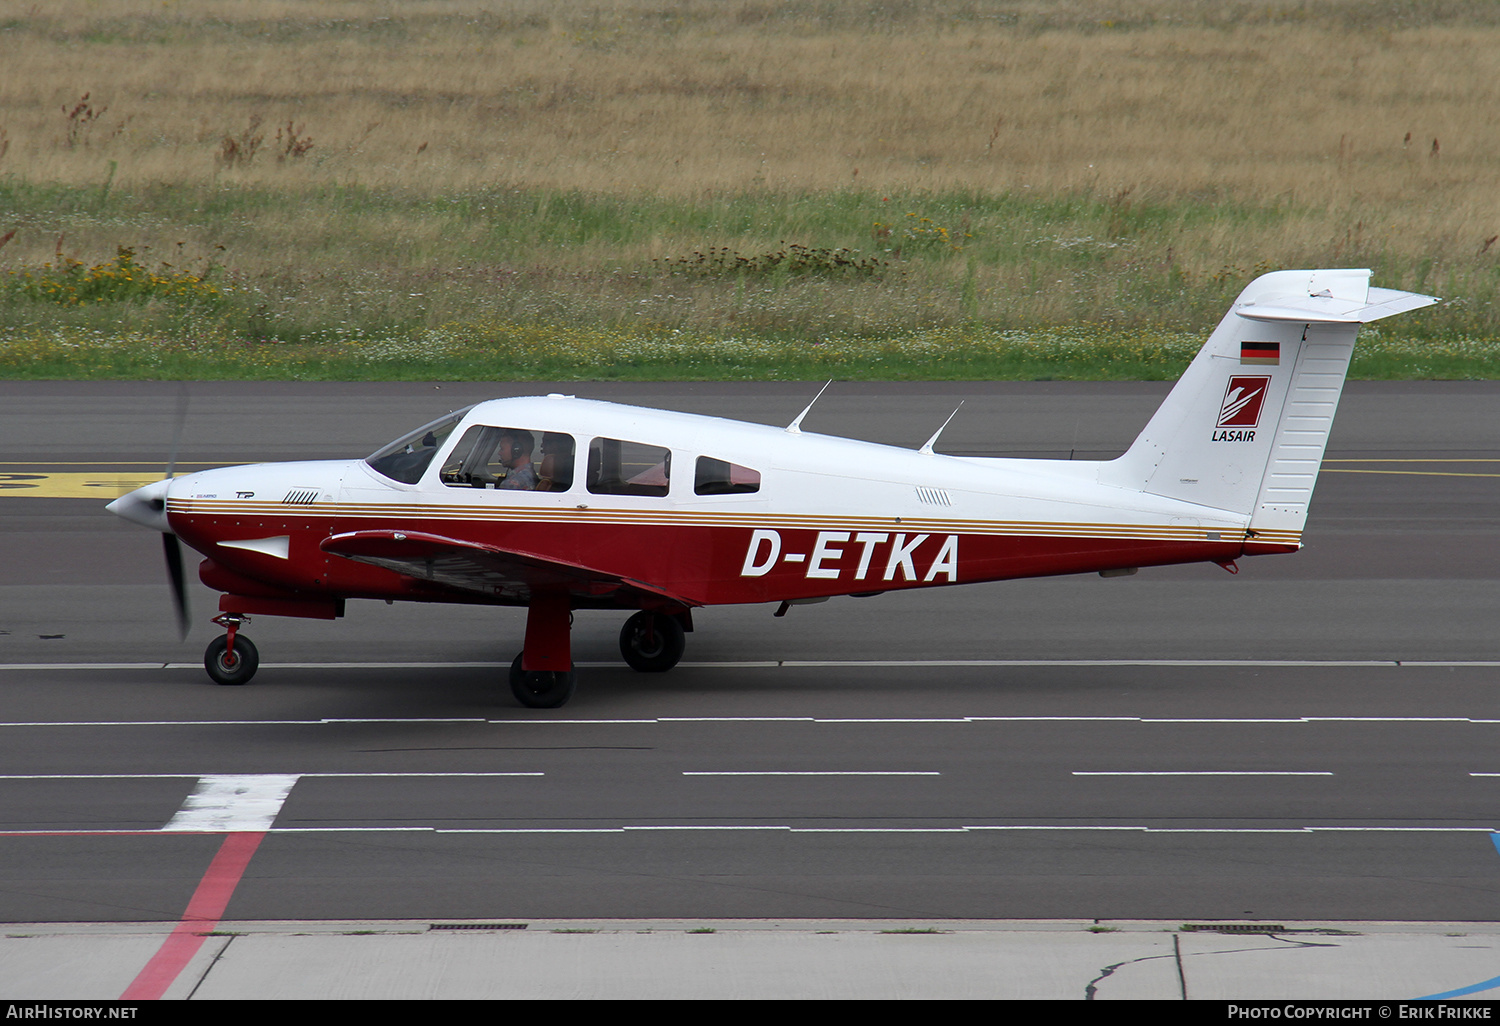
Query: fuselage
[712,510]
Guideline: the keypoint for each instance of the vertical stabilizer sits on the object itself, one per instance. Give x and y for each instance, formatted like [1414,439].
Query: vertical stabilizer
[1245,427]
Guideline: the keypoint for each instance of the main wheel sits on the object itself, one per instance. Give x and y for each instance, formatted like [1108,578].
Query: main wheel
[541,689]
[231,669]
[652,642]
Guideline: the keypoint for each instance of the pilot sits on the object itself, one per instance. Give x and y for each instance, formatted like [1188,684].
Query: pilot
[514,453]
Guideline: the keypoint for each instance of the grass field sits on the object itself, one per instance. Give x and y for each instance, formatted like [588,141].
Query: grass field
[730,188]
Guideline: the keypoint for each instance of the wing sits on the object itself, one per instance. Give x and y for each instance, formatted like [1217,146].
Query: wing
[493,571]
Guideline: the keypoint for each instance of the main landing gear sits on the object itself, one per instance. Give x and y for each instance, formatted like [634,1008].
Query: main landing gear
[541,689]
[231,659]
[652,642]
[543,677]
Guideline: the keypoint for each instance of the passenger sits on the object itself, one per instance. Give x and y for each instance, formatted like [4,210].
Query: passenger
[514,453]
[556,471]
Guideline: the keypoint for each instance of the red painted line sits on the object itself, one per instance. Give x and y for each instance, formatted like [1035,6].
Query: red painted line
[204,910]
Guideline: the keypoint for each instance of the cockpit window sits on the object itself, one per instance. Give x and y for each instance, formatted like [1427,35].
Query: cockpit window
[510,458]
[406,458]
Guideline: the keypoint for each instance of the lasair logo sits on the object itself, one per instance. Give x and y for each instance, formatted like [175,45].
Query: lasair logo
[1243,399]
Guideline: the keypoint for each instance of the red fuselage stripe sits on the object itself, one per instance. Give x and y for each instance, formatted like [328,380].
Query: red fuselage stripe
[712,565]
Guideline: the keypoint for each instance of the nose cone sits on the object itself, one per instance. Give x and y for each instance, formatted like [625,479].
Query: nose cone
[146,506]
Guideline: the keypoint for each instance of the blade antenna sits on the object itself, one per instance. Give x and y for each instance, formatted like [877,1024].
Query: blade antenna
[926,450]
[795,427]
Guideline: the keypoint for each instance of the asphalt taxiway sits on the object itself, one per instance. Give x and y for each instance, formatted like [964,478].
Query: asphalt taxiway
[1312,739]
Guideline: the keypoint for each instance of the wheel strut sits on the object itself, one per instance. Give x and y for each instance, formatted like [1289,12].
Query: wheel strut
[231,623]
[225,662]
[542,677]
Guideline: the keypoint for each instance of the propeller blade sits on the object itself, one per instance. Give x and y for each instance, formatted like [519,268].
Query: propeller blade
[172,549]
[183,399]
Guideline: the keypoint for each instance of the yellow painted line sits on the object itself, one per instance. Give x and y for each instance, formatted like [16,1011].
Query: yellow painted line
[73,484]
[1414,473]
[111,484]
[109,479]
[1410,473]
[110,463]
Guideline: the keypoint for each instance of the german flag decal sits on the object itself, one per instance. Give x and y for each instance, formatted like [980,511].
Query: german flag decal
[1264,353]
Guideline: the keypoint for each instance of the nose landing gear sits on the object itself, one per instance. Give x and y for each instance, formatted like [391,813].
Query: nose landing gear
[231,659]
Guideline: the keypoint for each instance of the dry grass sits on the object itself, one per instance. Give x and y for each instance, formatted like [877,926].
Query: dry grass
[1279,102]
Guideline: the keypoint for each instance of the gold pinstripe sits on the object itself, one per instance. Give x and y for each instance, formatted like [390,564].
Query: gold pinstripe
[703,518]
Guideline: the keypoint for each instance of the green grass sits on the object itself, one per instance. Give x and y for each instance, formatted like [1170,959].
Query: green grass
[345,282]
[518,352]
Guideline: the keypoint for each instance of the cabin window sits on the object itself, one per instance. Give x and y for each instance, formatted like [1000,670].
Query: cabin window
[719,477]
[618,467]
[406,458]
[510,459]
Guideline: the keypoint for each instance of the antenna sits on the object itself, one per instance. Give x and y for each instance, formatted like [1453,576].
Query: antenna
[926,450]
[795,427]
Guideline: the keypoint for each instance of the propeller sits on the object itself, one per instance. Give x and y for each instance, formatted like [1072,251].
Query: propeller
[172,549]
[170,545]
[147,506]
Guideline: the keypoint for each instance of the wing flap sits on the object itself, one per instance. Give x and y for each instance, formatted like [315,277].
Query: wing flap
[489,569]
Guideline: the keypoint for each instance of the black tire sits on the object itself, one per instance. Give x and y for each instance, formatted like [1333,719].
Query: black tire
[652,642]
[541,689]
[223,670]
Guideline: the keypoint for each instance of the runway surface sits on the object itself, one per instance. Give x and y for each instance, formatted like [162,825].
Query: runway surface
[1313,738]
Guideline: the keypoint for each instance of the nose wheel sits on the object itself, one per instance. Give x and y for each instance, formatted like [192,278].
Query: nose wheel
[231,658]
[231,667]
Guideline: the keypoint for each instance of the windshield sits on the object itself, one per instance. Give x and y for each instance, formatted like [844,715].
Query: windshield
[406,458]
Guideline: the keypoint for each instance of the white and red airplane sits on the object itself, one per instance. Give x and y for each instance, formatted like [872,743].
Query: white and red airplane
[557,503]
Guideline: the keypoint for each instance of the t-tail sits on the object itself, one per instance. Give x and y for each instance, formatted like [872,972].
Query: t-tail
[1245,427]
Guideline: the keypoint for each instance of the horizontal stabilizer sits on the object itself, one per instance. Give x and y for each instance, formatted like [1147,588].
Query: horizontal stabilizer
[1331,309]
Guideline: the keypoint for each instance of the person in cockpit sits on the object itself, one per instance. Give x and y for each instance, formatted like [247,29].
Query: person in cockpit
[556,471]
[514,453]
